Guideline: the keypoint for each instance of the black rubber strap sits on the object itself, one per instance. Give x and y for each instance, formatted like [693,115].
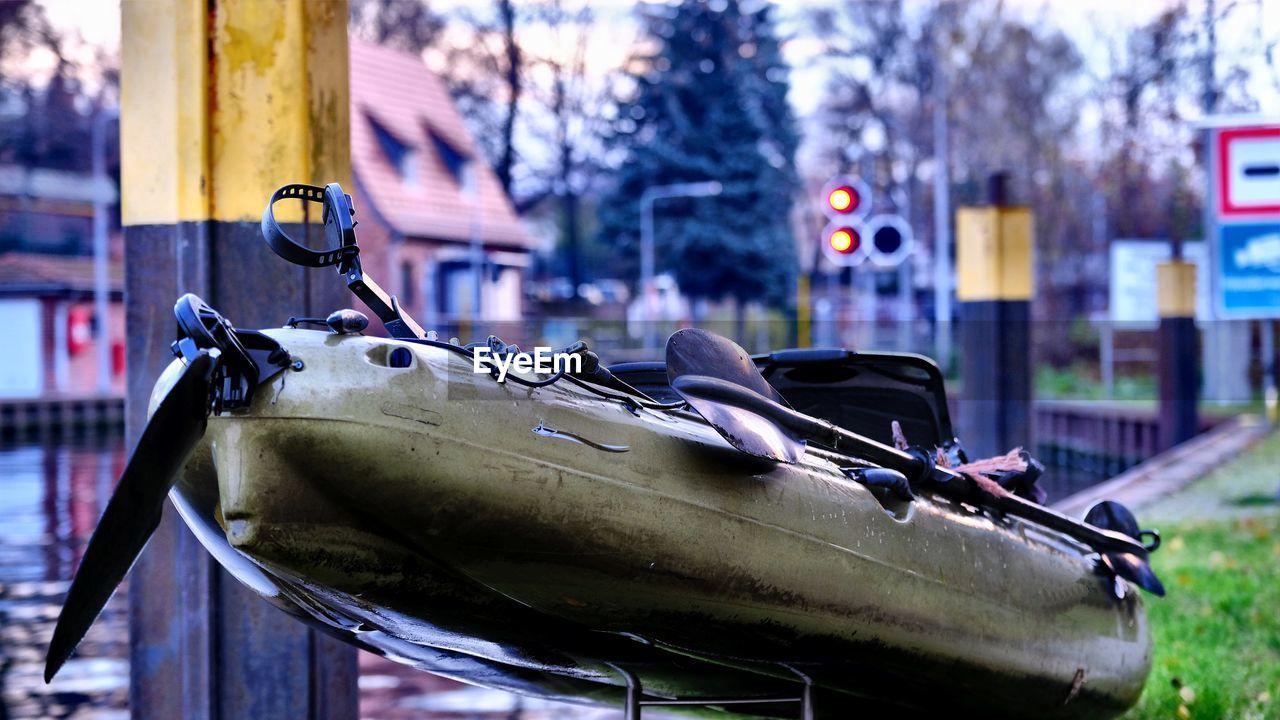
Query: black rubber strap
[285,246]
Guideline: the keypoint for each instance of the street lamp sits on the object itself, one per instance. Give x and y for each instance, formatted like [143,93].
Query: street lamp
[650,196]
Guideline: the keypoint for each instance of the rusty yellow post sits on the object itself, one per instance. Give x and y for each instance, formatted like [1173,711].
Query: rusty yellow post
[223,101]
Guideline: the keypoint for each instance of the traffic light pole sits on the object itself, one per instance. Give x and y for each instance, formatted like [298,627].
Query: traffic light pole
[941,226]
[647,199]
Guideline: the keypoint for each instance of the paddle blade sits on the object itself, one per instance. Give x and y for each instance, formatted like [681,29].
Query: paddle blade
[697,352]
[135,507]
[1111,515]
[1135,570]
[740,415]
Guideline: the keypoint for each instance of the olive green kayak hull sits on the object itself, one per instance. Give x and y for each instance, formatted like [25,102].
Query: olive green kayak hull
[552,542]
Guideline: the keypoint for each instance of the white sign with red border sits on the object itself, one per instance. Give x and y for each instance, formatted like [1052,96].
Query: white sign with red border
[1242,215]
[1248,171]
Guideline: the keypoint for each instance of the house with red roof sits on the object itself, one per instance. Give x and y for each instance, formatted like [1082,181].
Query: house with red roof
[433,217]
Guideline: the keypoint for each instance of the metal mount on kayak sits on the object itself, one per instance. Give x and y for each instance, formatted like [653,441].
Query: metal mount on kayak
[344,254]
[246,357]
[339,229]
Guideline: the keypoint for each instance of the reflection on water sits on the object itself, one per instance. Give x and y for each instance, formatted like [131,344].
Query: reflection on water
[51,495]
[1067,473]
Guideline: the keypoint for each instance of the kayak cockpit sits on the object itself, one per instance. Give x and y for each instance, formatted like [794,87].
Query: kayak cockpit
[861,392]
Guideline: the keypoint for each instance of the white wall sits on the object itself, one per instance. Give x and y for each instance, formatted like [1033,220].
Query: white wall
[21,364]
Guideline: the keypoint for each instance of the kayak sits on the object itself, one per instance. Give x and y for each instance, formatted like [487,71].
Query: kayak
[648,526]
[589,536]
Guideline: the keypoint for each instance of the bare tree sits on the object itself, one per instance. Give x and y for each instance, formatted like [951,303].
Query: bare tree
[565,118]
[483,63]
[1012,108]
[24,28]
[486,70]
[408,25]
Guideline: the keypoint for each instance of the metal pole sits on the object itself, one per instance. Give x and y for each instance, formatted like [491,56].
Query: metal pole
[100,291]
[1107,357]
[1225,348]
[804,311]
[1209,99]
[646,267]
[472,191]
[650,196]
[905,310]
[941,216]
[1269,391]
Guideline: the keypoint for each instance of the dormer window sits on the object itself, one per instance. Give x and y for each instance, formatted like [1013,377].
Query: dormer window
[401,156]
[455,162]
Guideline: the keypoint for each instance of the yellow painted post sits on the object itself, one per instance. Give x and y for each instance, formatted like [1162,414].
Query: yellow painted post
[994,286]
[1176,289]
[803,307]
[223,101]
[1176,305]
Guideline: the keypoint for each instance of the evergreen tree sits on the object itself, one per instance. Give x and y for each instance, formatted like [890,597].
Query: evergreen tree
[709,103]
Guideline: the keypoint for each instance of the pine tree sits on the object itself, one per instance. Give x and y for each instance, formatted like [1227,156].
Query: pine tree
[709,103]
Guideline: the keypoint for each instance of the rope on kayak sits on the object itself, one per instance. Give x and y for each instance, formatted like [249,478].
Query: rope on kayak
[1015,471]
[1012,461]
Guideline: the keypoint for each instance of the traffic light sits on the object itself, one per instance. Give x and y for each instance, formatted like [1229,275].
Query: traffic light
[845,197]
[845,240]
[889,239]
[842,243]
[845,201]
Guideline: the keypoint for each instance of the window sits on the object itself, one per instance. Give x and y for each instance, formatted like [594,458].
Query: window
[401,156]
[454,161]
[407,282]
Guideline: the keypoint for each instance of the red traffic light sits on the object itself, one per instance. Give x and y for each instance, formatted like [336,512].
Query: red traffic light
[844,240]
[844,199]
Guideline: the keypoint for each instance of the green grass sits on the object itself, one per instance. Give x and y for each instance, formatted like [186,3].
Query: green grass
[1217,633]
[1080,382]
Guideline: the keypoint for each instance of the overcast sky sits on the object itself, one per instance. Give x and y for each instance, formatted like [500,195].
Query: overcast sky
[1088,22]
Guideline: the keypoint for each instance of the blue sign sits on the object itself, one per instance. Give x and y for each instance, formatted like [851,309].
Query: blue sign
[1249,269]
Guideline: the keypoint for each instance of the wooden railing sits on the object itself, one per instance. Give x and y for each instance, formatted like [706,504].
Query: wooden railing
[38,416]
[1100,437]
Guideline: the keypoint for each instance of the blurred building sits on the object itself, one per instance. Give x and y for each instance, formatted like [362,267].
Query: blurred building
[47,285]
[424,197]
[49,211]
[47,312]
